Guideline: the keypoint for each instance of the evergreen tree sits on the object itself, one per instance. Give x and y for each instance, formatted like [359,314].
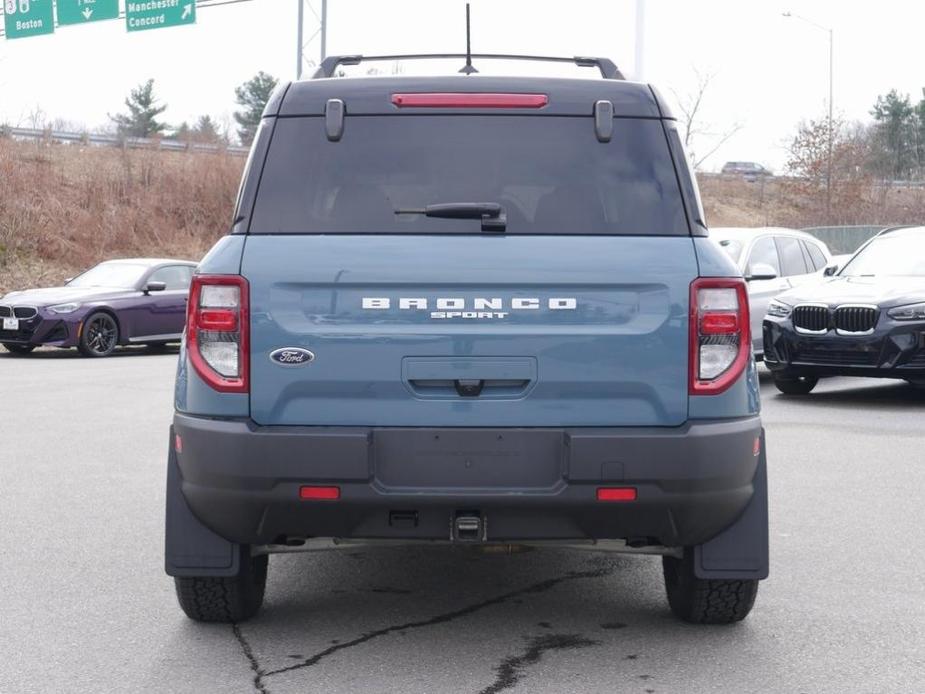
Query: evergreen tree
[206,130]
[143,110]
[252,96]
[895,134]
[920,137]
[182,132]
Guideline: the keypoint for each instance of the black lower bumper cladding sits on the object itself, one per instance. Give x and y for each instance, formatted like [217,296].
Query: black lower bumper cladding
[896,350]
[36,331]
[233,482]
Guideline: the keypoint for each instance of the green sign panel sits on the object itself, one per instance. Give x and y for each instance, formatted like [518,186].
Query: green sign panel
[157,14]
[83,11]
[22,18]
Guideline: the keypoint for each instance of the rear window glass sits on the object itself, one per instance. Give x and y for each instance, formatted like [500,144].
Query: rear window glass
[549,173]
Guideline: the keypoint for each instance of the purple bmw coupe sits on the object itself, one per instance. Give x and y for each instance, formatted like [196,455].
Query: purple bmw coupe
[118,302]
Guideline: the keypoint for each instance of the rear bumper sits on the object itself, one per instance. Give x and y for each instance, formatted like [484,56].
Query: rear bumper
[242,480]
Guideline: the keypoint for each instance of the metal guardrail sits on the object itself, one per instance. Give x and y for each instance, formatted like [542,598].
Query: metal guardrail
[97,140]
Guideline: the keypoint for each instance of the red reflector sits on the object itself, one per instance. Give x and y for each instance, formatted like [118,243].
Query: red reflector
[469,100]
[218,319]
[616,494]
[756,449]
[719,324]
[177,443]
[329,493]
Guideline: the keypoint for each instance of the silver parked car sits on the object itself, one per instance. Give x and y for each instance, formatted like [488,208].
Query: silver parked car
[773,260]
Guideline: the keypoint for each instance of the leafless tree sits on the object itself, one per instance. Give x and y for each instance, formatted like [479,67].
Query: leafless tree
[37,118]
[694,129]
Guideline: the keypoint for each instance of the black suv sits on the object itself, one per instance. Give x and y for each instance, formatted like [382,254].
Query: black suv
[866,320]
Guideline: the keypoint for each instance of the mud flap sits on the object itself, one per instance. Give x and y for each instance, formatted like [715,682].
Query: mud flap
[740,552]
[192,549]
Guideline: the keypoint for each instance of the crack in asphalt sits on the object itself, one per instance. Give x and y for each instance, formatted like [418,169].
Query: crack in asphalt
[511,669]
[438,619]
[259,686]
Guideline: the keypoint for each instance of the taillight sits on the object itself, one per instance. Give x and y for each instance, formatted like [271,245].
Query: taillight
[217,331]
[720,338]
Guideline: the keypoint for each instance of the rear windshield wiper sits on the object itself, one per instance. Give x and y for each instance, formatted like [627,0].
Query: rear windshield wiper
[493,216]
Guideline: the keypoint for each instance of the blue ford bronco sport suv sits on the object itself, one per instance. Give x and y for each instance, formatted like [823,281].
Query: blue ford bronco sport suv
[467,309]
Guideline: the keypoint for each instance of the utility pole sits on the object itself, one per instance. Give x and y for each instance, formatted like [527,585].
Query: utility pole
[831,133]
[828,173]
[321,31]
[299,42]
[639,67]
[324,29]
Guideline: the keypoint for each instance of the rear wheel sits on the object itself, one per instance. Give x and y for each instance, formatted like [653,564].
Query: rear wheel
[227,599]
[702,600]
[99,336]
[799,385]
[19,350]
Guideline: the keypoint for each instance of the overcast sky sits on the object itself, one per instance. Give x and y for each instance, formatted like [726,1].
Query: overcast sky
[769,71]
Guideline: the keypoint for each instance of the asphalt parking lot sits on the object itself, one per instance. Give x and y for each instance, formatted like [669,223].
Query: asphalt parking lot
[86,606]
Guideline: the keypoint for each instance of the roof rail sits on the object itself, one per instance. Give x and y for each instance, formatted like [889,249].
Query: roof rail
[330,64]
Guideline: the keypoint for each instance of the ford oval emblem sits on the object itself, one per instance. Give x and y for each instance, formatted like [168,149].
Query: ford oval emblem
[292,356]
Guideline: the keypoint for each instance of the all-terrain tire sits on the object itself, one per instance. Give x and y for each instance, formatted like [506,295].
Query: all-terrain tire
[18,350]
[705,601]
[801,385]
[231,599]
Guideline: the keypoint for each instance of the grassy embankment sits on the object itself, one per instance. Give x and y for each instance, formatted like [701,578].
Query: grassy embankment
[64,208]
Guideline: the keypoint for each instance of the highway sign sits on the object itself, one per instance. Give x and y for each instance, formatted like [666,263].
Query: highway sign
[83,11]
[22,18]
[158,14]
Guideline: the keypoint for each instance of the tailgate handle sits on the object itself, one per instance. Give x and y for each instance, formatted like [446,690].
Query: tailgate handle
[469,377]
[469,387]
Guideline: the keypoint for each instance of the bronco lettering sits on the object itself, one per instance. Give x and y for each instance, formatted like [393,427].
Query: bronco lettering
[452,305]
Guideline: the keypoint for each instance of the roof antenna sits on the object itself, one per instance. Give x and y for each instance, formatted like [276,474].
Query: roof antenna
[467,69]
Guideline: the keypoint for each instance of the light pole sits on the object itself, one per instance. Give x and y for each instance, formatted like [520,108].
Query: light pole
[639,67]
[300,41]
[828,173]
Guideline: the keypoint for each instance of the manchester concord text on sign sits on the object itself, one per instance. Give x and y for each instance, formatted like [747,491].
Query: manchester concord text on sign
[156,14]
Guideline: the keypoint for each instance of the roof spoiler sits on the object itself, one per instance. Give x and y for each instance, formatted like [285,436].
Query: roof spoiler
[330,64]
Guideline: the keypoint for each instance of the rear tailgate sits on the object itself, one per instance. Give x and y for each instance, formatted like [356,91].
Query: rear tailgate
[575,315]
[470,330]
